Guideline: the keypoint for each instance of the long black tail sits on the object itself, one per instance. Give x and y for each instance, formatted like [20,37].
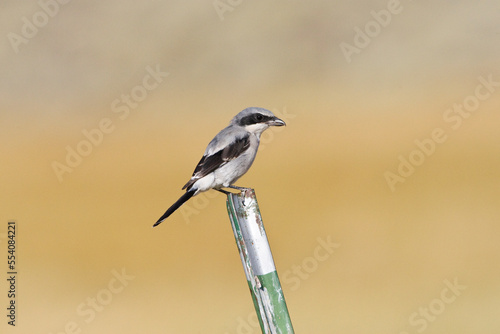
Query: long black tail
[176,205]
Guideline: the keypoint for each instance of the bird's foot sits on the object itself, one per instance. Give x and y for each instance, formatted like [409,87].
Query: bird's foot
[242,189]
[223,191]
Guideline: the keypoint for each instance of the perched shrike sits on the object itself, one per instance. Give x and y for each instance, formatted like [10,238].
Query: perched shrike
[228,156]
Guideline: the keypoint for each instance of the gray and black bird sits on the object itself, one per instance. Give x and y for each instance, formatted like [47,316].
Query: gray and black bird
[228,156]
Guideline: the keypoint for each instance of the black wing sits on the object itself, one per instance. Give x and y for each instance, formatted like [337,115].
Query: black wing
[210,163]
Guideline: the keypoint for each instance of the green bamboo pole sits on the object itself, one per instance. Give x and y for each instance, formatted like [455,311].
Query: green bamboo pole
[258,263]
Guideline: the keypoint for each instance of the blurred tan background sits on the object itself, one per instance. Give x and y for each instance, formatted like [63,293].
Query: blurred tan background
[419,256]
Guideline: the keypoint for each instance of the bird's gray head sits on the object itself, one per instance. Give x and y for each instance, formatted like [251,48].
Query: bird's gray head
[256,120]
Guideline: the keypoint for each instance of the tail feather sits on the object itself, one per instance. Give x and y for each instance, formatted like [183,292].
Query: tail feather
[176,205]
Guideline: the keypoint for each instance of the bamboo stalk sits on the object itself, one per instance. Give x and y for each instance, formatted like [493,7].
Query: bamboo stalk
[258,263]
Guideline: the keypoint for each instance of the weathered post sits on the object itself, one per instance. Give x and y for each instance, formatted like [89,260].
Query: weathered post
[258,263]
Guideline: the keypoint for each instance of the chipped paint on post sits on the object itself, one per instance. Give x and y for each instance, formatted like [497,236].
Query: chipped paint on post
[258,263]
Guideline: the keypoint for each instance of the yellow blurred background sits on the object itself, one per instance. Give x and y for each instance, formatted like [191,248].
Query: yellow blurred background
[413,214]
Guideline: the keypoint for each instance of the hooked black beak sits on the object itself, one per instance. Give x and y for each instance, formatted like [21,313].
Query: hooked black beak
[276,122]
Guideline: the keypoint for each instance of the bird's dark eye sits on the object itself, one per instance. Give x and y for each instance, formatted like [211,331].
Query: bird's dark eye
[259,117]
